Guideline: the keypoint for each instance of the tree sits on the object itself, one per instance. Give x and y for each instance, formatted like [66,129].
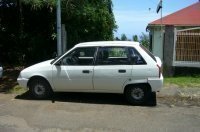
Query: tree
[123,37]
[135,38]
[117,39]
[144,40]
[29,28]
[88,20]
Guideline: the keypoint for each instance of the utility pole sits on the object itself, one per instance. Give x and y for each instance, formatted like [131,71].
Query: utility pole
[161,30]
[59,45]
[161,19]
[159,8]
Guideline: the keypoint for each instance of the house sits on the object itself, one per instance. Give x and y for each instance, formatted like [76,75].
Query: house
[175,38]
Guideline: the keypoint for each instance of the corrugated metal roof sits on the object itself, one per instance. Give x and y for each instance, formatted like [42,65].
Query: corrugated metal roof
[189,16]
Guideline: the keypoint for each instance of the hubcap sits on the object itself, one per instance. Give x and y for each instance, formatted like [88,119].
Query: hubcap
[137,93]
[39,89]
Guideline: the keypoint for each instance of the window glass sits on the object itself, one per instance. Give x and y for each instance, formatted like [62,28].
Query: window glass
[136,58]
[80,56]
[113,56]
[148,52]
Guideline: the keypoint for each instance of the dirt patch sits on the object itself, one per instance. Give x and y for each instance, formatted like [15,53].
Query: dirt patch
[174,95]
[9,79]
[173,101]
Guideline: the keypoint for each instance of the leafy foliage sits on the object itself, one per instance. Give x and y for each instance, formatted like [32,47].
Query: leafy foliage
[135,38]
[38,4]
[88,20]
[123,37]
[144,40]
[28,30]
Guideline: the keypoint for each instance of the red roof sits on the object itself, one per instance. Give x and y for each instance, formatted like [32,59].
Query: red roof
[189,16]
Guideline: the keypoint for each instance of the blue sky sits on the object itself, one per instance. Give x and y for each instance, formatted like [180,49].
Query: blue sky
[132,16]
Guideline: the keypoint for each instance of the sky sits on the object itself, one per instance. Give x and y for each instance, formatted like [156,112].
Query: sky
[133,16]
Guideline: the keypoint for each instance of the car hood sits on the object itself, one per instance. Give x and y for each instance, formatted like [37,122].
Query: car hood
[38,66]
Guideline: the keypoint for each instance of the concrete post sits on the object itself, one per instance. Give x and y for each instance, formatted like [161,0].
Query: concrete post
[64,40]
[168,49]
[58,15]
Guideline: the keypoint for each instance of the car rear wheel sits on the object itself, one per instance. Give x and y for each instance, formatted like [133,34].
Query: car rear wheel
[40,89]
[137,94]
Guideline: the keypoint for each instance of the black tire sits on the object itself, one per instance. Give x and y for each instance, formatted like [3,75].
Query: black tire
[40,89]
[152,99]
[137,94]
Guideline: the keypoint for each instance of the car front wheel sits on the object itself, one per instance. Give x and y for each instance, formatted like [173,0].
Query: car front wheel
[40,89]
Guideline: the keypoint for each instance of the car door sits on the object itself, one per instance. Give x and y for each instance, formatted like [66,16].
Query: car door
[75,70]
[112,69]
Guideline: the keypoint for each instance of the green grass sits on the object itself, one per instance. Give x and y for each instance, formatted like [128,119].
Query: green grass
[17,90]
[183,82]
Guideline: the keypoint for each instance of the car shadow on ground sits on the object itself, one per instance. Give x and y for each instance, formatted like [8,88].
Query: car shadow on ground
[92,98]
[89,98]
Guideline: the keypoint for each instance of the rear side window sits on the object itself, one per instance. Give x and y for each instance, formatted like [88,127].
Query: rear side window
[119,56]
[148,52]
[136,57]
[113,56]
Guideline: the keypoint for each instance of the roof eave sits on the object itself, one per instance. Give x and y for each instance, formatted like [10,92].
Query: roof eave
[178,25]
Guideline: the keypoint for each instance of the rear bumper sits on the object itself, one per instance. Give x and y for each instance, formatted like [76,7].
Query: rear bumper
[156,83]
[22,82]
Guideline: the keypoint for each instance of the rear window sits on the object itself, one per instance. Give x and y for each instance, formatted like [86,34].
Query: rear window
[148,52]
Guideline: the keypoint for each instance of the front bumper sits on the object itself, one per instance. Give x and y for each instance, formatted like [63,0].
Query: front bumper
[22,82]
[156,83]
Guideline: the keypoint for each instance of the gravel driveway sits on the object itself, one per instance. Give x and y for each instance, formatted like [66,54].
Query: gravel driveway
[81,112]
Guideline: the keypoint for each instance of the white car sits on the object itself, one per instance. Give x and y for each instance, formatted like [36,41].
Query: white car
[101,67]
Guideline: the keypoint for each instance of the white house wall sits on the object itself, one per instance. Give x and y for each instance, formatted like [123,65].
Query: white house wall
[157,42]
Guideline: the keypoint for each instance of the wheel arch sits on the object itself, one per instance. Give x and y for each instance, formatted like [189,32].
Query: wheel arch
[38,77]
[147,85]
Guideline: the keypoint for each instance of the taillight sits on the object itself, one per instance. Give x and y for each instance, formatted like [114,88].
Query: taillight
[160,70]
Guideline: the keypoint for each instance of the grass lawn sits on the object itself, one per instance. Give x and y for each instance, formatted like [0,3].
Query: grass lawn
[183,81]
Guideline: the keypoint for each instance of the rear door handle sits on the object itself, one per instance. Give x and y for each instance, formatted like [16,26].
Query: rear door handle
[122,71]
[86,71]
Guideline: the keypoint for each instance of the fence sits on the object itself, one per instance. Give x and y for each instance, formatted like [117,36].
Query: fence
[187,47]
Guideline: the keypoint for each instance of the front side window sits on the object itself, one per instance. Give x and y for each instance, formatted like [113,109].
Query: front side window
[113,56]
[80,56]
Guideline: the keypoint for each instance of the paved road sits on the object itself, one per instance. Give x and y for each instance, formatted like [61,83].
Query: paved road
[94,113]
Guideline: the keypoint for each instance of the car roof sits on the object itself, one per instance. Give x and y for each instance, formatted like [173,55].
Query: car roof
[108,43]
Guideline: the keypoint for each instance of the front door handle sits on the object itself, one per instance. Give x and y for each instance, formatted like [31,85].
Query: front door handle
[122,71]
[86,71]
